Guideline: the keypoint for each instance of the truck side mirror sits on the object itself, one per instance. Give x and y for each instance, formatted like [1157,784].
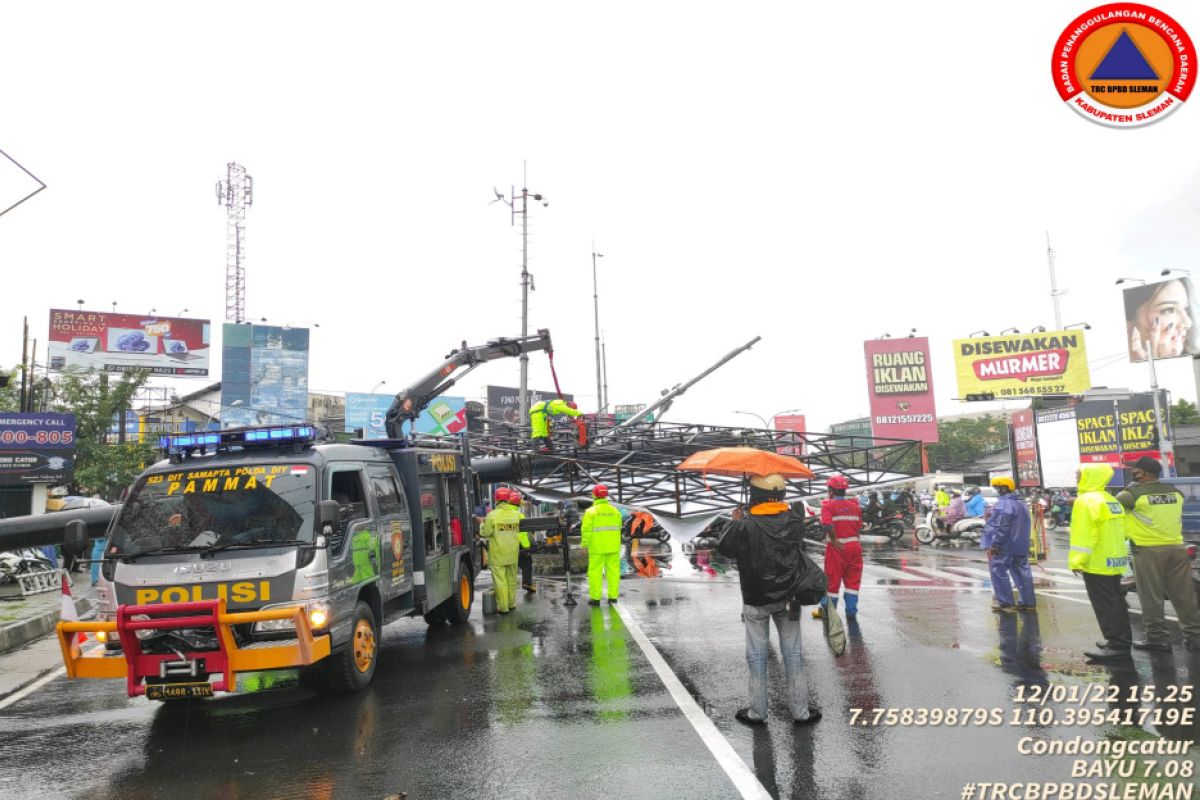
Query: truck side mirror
[328,518]
[75,536]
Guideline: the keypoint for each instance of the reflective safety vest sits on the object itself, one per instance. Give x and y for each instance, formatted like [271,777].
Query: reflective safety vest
[1097,525]
[1153,514]
[601,528]
[502,526]
[540,413]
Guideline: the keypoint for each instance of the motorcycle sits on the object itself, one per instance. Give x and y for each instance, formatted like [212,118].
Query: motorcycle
[890,525]
[931,529]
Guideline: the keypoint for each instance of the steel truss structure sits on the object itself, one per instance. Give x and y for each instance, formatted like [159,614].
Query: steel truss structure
[638,464]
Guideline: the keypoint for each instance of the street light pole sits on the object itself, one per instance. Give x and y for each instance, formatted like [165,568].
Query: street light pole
[1165,449]
[759,417]
[596,307]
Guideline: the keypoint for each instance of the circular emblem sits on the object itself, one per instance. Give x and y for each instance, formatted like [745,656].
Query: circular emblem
[397,543]
[1124,65]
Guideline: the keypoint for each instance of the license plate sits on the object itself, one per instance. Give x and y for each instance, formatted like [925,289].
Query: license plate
[178,691]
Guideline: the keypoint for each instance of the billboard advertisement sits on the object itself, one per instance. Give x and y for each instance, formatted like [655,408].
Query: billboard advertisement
[900,386]
[1025,440]
[790,422]
[442,417]
[504,402]
[1022,365]
[1160,319]
[36,448]
[1115,431]
[264,375]
[123,342]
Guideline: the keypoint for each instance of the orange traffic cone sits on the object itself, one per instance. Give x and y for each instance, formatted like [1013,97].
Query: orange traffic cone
[69,613]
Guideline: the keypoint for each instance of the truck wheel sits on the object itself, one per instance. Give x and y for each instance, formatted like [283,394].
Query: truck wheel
[437,616]
[351,668]
[457,610]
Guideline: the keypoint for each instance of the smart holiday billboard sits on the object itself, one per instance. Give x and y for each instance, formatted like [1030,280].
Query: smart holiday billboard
[124,342]
[1023,365]
[900,386]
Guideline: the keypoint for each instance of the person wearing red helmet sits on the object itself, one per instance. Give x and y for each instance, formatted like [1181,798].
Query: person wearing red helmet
[540,415]
[502,528]
[841,518]
[601,540]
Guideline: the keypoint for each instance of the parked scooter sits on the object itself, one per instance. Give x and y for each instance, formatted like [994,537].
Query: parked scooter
[931,529]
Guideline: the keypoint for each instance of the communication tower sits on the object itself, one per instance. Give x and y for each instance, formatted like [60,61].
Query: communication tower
[236,193]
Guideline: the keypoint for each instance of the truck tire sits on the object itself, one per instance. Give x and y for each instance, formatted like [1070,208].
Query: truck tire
[352,667]
[457,610]
[437,616]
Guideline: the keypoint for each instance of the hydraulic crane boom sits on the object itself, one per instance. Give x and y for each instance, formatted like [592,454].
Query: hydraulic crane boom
[412,400]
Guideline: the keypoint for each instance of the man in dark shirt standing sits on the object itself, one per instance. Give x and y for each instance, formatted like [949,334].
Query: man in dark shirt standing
[767,545]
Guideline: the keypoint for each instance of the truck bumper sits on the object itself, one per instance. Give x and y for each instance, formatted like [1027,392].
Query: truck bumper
[229,659]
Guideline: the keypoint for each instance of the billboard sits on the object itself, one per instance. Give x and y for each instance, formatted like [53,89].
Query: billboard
[504,402]
[124,342]
[1115,431]
[1025,442]
[36,448]
[1022,365]
[1160,318]
[264,375]
[900,387]
[790,422]
[442,417]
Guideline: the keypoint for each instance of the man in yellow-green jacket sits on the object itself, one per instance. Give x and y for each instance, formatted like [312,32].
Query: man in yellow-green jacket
[601,540]
[539,420]
[1098,553]
[502,528]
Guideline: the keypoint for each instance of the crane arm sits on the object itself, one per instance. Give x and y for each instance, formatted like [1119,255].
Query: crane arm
[412,400]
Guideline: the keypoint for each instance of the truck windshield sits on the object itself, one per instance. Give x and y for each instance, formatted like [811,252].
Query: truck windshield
[207,507]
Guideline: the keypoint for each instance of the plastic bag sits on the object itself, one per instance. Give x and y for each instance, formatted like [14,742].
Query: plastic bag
[835,632]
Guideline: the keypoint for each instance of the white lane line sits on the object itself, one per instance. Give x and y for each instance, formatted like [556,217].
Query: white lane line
[742,776]
[1137,611]
[31,688]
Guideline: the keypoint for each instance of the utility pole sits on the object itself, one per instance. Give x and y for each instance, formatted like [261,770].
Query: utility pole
[236,193]
[1054,291]
[604,361]
[527,284]
[24,366]
[596,308]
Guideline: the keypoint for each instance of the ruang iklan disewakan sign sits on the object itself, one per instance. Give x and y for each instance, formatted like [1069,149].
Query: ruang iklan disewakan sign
[36,447]
[126,342]
[900,386]
[1116,431]
[1023,365]
[1025,444]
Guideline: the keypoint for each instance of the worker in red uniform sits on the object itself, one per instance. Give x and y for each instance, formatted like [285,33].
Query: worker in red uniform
[842,520]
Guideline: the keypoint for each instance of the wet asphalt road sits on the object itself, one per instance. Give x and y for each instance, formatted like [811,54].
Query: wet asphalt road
[564,703]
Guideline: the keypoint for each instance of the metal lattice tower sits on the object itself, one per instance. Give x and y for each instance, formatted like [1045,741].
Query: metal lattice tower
[236,193]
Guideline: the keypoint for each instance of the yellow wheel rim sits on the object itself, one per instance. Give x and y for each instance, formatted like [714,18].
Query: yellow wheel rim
[364,645]
[464,591]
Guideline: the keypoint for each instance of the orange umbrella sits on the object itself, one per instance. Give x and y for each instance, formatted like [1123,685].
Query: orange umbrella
[745,461]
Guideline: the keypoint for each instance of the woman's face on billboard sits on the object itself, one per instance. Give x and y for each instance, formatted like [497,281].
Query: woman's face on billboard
[1164,321]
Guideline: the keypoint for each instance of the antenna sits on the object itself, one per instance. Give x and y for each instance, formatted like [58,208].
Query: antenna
[236,193]
[1055,293]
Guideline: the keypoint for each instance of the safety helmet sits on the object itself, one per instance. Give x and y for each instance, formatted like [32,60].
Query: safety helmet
[599,490]
[503,495]
[837,482]
[571,404]
[972,490]
[1006,482]
[771,483]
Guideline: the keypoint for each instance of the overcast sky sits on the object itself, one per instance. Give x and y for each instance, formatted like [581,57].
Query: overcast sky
[814,174]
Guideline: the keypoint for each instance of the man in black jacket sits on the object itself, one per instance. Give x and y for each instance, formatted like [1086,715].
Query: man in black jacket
[767,544]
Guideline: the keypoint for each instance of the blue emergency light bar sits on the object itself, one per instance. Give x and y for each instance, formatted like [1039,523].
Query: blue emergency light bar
[273,435]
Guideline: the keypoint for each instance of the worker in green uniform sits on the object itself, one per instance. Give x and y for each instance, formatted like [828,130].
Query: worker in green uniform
[539,420]
[601,540]
[502,527]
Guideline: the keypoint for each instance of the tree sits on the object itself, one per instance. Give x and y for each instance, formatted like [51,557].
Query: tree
[1183,413]
[97,400]
[961,441]
[9,400]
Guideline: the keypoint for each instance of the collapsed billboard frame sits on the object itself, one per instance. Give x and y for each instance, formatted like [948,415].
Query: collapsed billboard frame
[638,464]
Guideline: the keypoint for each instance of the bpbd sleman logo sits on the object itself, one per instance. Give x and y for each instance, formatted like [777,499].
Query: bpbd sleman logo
[1124,65]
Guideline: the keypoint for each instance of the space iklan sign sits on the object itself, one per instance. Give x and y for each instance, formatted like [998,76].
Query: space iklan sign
[900,386]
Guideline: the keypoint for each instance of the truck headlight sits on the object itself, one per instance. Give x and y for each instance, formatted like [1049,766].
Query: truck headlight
[318,617]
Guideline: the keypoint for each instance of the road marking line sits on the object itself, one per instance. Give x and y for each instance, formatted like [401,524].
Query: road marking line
[1137,611]
[31,688]
[742,776]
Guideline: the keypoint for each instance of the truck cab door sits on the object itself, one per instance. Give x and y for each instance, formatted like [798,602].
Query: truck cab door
[396,532]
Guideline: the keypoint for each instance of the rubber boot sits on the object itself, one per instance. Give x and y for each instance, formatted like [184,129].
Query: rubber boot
[851,606]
